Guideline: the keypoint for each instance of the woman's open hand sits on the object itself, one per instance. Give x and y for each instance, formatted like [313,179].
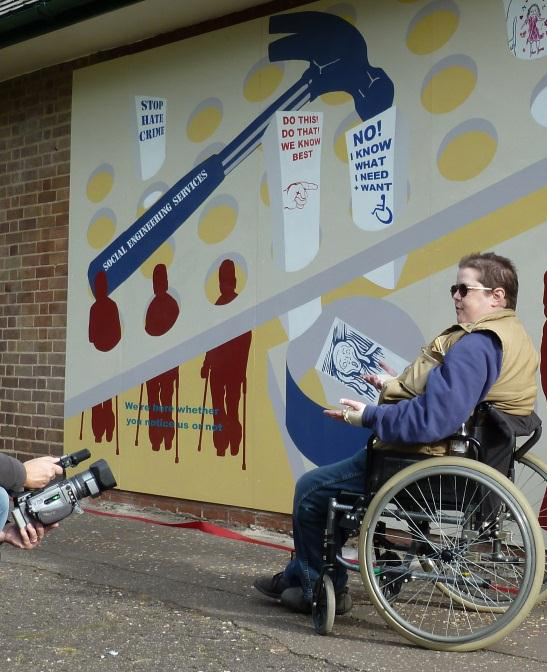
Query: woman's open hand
[352,414]
[378,380]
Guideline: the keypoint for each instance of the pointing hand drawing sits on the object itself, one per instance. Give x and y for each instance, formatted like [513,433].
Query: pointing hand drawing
[296,194]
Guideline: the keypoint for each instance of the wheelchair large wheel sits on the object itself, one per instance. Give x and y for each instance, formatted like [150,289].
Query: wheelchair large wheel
[323,605]
[434,512]
[531,480]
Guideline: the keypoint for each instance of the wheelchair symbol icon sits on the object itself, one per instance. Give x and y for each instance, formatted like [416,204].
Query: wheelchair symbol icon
[382,212]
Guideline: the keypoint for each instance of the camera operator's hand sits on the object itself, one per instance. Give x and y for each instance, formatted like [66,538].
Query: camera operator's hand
[27,538]
[40,471]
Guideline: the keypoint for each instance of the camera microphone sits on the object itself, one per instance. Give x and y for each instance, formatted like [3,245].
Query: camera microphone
[74,459]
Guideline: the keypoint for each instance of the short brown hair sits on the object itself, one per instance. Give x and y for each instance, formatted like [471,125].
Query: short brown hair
[495,271]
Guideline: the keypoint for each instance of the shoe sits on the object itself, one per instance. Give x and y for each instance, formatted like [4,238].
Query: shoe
[293,598]
[344,603]
[272,586]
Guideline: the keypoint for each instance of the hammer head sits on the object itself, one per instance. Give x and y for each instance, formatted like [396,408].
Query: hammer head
[337,56]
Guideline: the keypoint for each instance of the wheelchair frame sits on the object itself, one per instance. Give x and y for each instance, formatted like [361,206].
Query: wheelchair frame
[450,551]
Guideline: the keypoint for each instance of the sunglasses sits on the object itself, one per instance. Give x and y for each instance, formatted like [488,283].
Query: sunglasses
[463,289]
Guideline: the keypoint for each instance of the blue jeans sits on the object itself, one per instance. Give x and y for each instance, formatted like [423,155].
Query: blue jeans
[311,499]
[4,508]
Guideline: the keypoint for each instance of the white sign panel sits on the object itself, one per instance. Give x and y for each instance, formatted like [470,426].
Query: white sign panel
[371,149]
[151,124]
[292,146]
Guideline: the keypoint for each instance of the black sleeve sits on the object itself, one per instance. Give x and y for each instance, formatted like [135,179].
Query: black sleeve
[12,472]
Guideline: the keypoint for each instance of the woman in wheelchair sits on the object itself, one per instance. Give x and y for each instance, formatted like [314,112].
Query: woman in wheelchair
[485,356]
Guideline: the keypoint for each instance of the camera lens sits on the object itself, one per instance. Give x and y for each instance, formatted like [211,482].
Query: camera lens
[78,482]
[93,481]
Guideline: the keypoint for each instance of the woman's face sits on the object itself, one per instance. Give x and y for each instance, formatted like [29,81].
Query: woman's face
[477,302]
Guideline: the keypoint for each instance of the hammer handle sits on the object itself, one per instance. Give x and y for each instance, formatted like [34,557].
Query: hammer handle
[133,246]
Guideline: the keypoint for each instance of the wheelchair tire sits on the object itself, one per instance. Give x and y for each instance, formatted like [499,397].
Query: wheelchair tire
[531,480]
[323,606]
[421,497]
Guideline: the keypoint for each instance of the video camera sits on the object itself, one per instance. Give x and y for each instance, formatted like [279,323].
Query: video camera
[58,500]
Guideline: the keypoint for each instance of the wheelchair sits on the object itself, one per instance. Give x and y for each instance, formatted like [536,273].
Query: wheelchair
[450,550]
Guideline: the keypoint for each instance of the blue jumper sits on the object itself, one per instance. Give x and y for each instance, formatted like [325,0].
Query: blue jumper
[470,368]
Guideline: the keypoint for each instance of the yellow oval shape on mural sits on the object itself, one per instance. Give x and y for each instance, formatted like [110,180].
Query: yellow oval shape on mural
[204,123]
[163,255]
[262,83]
[217,223]
[432,31]
[99,186]
[100,231]
[336,98]
[467,155]
[448,89]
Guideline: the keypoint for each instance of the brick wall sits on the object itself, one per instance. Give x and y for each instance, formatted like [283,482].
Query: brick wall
[34,192]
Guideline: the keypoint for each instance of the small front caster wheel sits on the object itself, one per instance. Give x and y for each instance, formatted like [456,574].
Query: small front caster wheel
[323,606]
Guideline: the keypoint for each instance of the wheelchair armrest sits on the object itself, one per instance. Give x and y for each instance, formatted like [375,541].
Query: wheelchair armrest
[531,441]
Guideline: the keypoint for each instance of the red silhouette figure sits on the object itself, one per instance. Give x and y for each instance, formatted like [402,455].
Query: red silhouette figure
[226,368]
[104,320]
[103,421]
[163,310]
[543,372]
[161,426]
[105,333]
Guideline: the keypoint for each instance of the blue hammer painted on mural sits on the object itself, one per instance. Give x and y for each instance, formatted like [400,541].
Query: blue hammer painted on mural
[337,56]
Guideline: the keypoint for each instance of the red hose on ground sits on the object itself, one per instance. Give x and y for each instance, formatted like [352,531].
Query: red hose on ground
[201,525]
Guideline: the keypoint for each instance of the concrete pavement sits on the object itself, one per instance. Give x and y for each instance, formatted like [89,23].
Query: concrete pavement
[105,593]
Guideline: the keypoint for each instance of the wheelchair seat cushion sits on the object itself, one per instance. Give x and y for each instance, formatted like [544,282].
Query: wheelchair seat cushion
[434,449]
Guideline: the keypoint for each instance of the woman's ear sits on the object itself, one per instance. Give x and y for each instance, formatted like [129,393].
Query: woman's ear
[498,296]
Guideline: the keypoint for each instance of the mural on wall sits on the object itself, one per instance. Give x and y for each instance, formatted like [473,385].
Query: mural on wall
[292,222]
